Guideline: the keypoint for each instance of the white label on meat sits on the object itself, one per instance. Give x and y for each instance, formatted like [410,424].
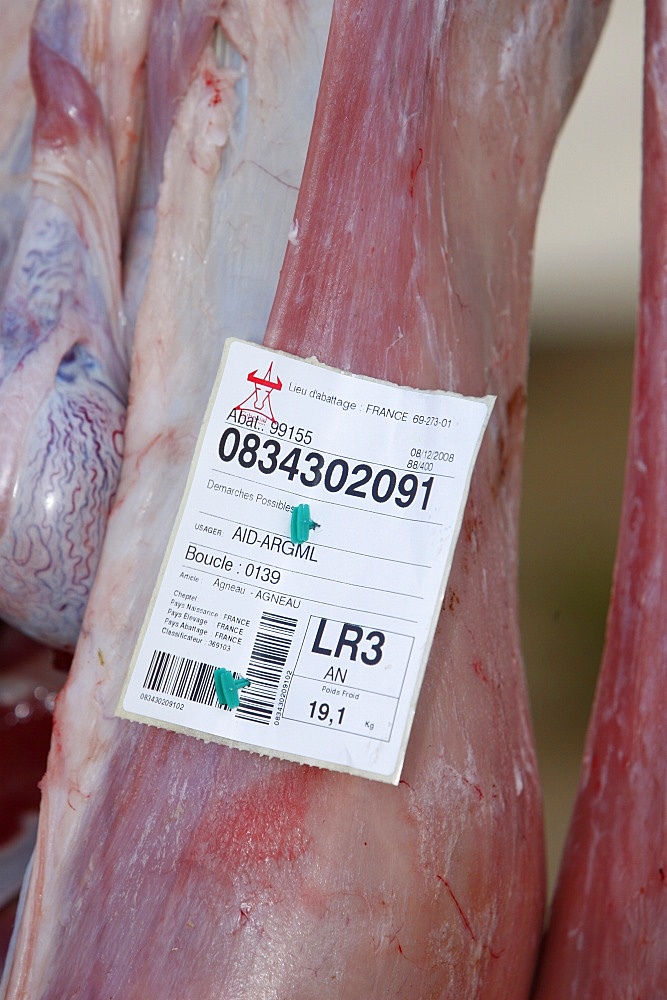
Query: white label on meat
[332,632]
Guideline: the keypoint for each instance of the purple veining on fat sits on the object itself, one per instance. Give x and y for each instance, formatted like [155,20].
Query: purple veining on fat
[66,323]
[63,393]
[64,349]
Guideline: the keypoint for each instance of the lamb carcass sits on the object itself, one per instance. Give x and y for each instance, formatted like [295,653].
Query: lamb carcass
[165,866]
[608,931]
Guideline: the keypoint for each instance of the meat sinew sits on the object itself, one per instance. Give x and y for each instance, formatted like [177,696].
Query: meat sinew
[608,931]
[168,867]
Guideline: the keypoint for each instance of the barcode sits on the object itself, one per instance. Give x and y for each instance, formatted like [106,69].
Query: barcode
[268,657]
[192,680]
[183,678]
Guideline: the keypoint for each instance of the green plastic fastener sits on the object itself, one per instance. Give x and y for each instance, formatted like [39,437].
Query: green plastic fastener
[301,523]
[227,687]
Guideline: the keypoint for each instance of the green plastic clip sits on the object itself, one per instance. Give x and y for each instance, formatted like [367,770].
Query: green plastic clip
[301,523]
[227,687]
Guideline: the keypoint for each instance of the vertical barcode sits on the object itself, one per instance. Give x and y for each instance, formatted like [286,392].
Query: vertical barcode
[181,677]
[268,657]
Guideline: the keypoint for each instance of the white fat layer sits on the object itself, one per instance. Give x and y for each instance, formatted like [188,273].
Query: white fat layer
[261,174]
[187,310]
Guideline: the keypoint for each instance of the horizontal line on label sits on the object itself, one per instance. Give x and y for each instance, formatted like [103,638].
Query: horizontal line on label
[300,597]
[341,730]
[313,541]
[333,454]
[299,497]
[296,676]
[313,576]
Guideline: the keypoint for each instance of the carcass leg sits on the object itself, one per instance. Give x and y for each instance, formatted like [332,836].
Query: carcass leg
[608,931]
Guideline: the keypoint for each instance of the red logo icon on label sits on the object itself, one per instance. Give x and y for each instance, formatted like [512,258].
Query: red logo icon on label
[258,403]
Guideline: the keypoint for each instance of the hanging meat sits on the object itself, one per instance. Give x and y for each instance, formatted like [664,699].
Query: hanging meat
[608,930]
[168,867]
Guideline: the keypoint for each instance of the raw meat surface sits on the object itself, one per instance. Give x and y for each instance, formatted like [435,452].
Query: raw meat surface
[230,233]
[64,361]
[608,931]
[168,867]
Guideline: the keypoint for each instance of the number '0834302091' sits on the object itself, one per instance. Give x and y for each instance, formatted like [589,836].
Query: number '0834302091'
[311,468]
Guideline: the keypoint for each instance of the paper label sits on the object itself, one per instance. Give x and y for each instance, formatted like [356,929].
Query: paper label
[333,634]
